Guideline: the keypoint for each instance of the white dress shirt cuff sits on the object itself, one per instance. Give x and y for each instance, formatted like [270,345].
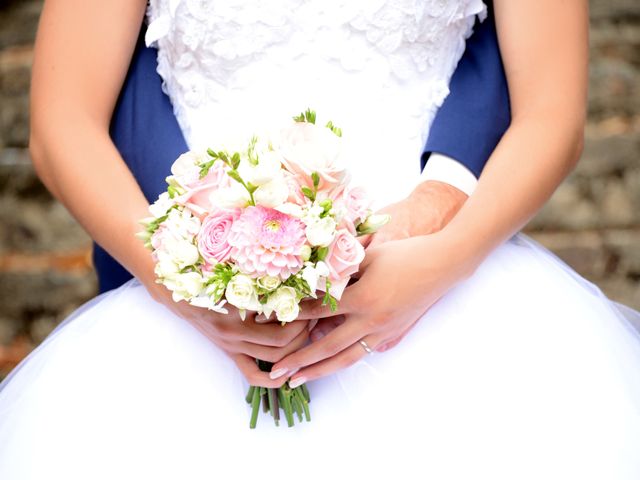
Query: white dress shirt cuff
[447,170]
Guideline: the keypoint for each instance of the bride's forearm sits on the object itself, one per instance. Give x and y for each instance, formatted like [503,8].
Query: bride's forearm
[544,46]
[96,187]
[527,166]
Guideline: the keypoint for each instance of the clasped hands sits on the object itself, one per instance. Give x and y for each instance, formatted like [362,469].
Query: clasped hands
[406,269]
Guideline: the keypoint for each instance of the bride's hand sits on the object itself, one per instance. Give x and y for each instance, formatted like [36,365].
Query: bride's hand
[392,293]
[242,340]
[428,209]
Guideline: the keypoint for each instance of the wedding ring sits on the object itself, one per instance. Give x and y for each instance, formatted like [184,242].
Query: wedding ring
[366,347]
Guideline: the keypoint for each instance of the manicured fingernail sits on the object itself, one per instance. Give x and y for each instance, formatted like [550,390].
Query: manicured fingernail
[312,324]
[297,382]
[277,373]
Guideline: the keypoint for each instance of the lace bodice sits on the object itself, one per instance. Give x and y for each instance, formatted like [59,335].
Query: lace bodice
[377,68]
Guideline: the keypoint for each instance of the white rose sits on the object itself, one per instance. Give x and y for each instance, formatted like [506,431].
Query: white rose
[272,194]
[285,303]
[182,223]
[312,274]
[235,196]
[182,252]
[241,293]
[321,232]
[184,286]
[268,283]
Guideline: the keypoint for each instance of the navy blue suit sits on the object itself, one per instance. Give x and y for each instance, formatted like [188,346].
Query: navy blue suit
[467,127]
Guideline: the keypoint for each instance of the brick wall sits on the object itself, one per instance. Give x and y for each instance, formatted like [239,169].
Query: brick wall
[592,222]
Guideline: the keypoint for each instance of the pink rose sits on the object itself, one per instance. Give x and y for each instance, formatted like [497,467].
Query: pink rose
[343,260]
[355,206]
[308,148]
[295,191]
[198,196]
[213,236]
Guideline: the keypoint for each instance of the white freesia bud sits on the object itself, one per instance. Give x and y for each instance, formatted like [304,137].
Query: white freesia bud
[284,302]
[235,196]
[241,293]
[273,193]
[205,301]
[373,223]
[268,283]
[166,268]
[321,232]
[160,207]
[305,252]
[268,169]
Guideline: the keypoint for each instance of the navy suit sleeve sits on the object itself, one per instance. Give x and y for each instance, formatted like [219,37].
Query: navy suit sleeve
[146,133]
[475,115]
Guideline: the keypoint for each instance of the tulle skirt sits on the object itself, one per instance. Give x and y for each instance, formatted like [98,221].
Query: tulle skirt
[525,370]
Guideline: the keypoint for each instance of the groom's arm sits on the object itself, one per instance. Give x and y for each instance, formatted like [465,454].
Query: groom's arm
[473,117]
[464,133]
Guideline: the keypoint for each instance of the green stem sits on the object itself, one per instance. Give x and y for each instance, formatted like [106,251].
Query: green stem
[249,396]
[304,403]
[265,399]
[255,407]
[305,392]
[285,399]
[273,405]
[297,405]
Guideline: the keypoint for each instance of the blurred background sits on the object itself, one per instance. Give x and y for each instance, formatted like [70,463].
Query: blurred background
[592,222]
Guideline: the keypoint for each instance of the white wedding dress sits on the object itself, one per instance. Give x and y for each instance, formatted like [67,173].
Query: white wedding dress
[523,371]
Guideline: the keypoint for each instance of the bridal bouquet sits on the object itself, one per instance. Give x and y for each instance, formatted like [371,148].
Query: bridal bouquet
[261,228]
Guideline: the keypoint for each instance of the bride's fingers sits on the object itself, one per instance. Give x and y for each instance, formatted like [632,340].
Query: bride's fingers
[271,354]
[344,359]
[271,334]
[252,373]
[334,342]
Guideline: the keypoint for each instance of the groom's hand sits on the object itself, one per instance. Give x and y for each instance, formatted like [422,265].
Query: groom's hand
[428,209]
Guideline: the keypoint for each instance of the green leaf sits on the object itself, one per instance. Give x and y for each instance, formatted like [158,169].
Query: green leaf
[321,253]
[310,194]
[251,187]
[205,167]
[212,153]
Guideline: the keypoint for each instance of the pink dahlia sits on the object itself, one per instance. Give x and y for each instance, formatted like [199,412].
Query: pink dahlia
[265,241]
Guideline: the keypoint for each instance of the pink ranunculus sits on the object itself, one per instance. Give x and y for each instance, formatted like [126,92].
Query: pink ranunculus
[198,195]
[343,259]
[265,242]
[308,148]
[213,237]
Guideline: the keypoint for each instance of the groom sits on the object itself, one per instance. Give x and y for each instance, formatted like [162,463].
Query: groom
[464,133]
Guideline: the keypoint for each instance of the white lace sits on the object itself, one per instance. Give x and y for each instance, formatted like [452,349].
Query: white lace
[377,68]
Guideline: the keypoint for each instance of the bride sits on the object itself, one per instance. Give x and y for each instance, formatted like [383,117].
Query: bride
[518,369]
